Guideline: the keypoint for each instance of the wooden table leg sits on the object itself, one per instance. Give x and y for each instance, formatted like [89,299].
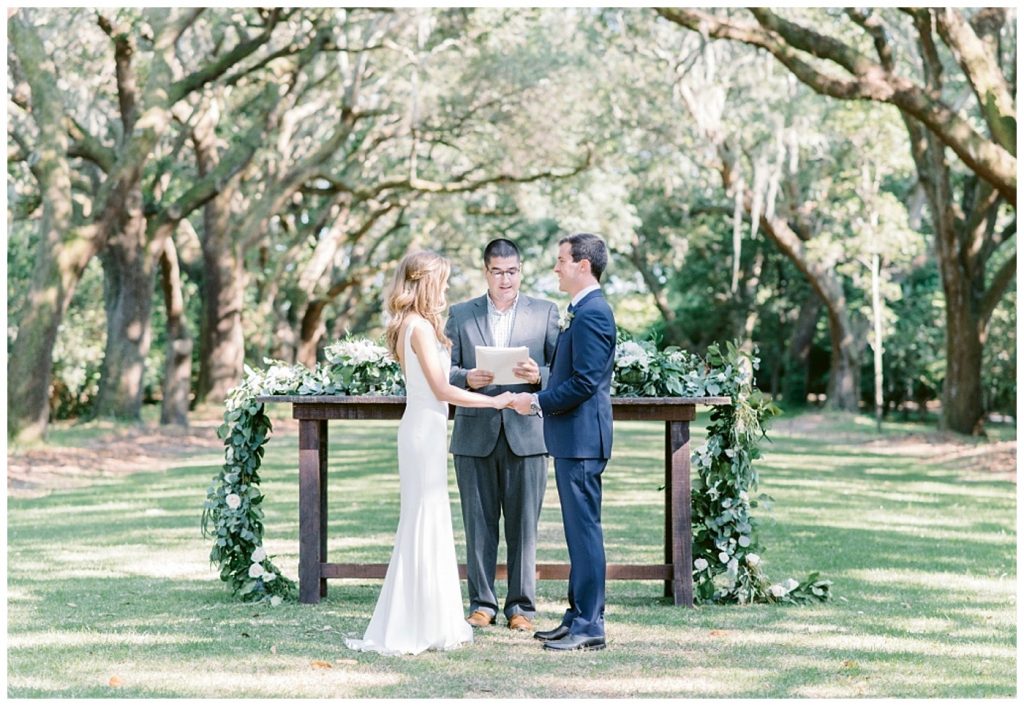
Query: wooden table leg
[312,457]
[323,503]
[678,527]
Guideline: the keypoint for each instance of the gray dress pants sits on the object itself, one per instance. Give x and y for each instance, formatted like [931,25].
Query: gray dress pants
[489,487]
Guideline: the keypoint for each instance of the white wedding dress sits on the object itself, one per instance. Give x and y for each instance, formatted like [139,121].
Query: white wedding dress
[420,604]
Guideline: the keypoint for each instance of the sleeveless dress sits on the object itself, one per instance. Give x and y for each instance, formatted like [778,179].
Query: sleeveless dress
[420,603]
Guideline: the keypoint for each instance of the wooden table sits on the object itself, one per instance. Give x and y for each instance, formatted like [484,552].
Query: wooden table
[313,412]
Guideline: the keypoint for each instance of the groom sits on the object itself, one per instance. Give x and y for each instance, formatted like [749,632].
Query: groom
[577,410]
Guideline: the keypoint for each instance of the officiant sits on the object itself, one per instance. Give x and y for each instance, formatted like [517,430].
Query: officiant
[500,457]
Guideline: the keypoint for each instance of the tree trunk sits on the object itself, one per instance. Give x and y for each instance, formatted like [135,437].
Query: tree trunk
[962,284]
[748,319]
[129,272]
[62,254]
[962,409]
[221,338]
[178,366]
[311,331]
[876,317]
[844,370]
[798,354]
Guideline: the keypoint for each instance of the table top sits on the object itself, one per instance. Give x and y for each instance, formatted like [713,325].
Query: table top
[637,409]
[400,400]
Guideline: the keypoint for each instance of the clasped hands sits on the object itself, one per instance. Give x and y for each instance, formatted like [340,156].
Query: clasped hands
[519,401]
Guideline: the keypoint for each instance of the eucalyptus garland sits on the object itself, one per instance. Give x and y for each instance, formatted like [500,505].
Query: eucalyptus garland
[727,567]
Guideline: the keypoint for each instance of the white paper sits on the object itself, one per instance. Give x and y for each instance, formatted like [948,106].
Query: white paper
[500,361]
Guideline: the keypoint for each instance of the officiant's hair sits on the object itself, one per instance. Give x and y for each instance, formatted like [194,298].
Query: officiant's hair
[417,288]
[501,247]
[587,246]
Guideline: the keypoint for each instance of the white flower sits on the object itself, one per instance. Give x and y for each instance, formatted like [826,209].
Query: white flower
[233,501]
[700,564]
[778,591]
[255,571]
[357,351]
[744,541]
[564,319]
[629,353]
[723,557]
[275,600]
[259,555]
[753,559]
[790,584]
[269,576]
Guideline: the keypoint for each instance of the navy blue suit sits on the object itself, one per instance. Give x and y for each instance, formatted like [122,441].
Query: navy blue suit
[577,411]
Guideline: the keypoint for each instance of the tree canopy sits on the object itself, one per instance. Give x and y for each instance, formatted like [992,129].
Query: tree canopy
[191,189]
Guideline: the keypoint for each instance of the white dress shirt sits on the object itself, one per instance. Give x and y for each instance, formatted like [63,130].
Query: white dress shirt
[582,293]
[501,321]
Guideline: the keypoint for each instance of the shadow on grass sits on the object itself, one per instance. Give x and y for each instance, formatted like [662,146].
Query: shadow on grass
[113,580]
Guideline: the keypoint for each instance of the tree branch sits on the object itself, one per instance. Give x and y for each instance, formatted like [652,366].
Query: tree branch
[871,82]
[1004,275]
[982,71]
[181,88]
[873,25]
[86,146]
[127,89]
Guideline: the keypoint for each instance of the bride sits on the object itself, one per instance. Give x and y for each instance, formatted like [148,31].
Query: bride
[420,604]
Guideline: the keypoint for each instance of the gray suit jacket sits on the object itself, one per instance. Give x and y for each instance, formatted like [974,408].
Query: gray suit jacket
[536,327]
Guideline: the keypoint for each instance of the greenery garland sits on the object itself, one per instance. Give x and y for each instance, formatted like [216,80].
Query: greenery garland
[727,566]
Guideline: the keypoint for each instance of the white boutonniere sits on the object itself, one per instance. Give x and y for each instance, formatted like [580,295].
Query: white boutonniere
[565,319]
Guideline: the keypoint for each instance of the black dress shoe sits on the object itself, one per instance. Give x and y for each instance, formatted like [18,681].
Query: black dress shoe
[575,642]
[556,634]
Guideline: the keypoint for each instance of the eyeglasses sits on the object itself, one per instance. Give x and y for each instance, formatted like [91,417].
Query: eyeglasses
[498,274]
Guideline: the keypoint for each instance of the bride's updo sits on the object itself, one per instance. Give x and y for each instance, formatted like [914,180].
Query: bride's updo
[418,288]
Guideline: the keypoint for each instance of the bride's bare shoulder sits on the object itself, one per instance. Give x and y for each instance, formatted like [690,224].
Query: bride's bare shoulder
[412,323]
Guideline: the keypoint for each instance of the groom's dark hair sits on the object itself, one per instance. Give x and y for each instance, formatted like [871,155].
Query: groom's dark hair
[587,246]
[501,247]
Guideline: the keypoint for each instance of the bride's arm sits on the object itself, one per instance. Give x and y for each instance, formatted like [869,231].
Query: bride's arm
[424,345]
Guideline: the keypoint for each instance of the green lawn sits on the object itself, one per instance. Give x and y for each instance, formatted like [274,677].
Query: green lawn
[112,581]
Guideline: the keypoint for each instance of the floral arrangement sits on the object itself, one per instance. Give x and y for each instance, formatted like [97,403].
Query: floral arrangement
[727,565]
[232,513]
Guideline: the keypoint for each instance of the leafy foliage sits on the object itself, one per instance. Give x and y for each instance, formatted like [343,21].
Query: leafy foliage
[232,513]
[727,566]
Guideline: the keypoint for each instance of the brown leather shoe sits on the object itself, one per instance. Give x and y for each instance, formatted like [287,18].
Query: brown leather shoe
[480,619]
[520,623]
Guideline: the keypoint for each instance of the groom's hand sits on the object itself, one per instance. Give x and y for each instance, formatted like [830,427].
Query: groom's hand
[521,402]
[528,371]
[477,378]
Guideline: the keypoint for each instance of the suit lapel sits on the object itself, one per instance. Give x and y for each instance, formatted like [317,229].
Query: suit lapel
[482,323]
[583,301]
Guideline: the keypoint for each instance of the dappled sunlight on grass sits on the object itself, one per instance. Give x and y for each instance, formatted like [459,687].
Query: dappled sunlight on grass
[968,584]
[698,682]
[114,580]
[65,639]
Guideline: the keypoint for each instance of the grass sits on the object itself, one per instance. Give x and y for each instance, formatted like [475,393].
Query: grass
[111,582]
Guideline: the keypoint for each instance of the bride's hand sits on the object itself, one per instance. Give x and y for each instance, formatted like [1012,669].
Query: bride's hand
[503,400]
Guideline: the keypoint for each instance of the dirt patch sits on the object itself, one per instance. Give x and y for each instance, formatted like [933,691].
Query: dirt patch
[39,471]
[935,446]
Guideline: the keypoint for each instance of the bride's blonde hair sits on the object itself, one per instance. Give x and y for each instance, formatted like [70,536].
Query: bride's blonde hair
[417,288]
